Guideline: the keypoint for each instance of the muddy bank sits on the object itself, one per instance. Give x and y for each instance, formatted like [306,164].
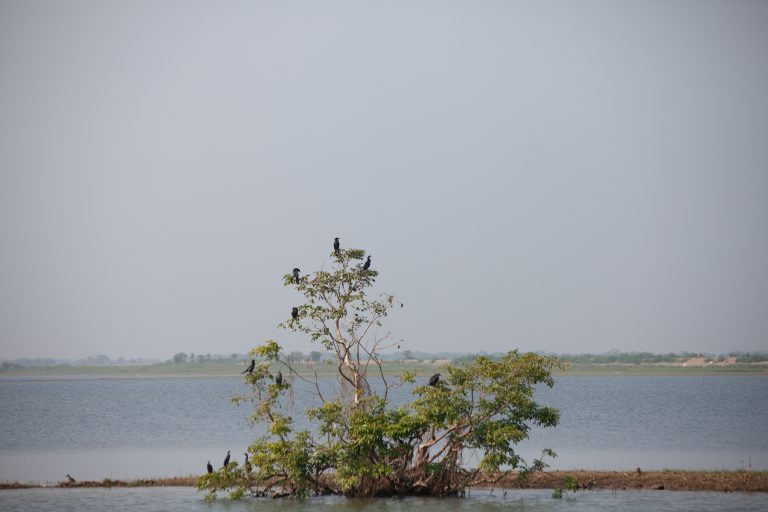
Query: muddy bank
[187,481]
[669,480]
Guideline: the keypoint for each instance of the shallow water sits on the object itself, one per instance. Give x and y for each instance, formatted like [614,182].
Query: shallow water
[132,428]
[171,499]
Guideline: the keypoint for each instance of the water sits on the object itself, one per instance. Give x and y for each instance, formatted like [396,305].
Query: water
[187,500]
[131,428]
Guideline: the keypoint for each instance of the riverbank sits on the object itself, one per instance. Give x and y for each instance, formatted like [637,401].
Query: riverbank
[669,480]
[391,369]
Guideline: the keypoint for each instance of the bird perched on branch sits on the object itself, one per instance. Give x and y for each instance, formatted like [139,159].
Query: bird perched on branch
[367,264]
[434,379]
[226,459]
[279,378]
[295,313]
[296,274]
[250,367]
[210,468]
[336,245]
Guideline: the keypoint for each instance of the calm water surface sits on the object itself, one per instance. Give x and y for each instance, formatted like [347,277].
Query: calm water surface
[187,500]
[95,429]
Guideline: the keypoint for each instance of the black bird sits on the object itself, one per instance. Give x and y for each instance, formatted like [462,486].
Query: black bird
[295,313]
[210,468]
[279,378]
[336,245]
[70,479]
[250,367]
[433,379]
[367,264]
[226,459]
[247,463]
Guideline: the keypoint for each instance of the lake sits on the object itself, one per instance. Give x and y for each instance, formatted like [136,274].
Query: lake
[187,500]
[131,428]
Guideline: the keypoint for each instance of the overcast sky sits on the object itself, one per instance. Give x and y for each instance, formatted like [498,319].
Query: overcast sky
[555,176]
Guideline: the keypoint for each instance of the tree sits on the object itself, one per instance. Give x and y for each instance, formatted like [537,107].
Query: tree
[362,444]
[179,358]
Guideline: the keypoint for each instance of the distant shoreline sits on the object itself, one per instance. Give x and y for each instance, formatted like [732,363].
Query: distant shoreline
[212,371]
[669,480]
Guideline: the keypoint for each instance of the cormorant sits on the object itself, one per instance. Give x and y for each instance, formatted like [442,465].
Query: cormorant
[367,264]
[279,378]
[336,245]
[433,379]
[210,468]
[226,459]
[70,479]
[296,274]
[247,463]
[295,313]
[250,367]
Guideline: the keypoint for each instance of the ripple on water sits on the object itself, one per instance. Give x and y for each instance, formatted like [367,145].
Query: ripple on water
[139,428]
[184,499]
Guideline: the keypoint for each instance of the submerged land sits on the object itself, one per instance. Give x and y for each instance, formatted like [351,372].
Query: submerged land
[669,480]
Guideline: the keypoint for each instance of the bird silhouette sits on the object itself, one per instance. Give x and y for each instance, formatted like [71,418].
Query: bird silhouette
[433,379]
[367,264]
[250,367]
[70,479]
[210,468]
[336,245]
[295,313]
[247,463]
[296,274]
[279,378]
[226,459]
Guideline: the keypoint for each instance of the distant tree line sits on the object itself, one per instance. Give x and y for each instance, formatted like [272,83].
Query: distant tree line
[313,357]
[746,357]
[615,357]
[95,360]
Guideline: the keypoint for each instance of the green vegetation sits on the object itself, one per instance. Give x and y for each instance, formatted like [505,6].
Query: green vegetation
[208,369]
[363,445]
[394,367]
[570,484]
[741,480]
[648,358]
[657,370]
[626,358]
[646,363]
[749,358]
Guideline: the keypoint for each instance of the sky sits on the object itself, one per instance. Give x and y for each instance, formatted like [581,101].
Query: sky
[558,176]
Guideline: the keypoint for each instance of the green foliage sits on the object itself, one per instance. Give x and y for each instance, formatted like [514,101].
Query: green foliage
[758,357]
[269,350]
[570,484]
[362,445]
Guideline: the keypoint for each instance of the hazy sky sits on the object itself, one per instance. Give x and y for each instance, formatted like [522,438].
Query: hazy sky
[557,176]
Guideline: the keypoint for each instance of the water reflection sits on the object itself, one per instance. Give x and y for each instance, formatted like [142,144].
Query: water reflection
[188,500]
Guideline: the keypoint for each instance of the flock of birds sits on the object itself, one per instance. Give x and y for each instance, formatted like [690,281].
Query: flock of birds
[226,462]
[433,380]
[252,365]
[336,249]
